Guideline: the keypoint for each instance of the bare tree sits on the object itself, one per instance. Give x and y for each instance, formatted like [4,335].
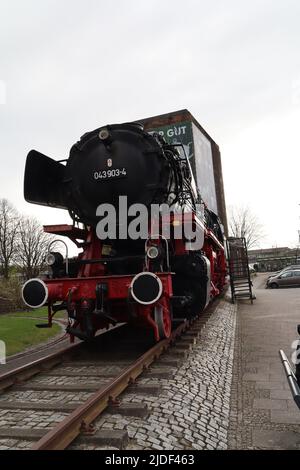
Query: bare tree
[31,247]
[9,220]
[243,223]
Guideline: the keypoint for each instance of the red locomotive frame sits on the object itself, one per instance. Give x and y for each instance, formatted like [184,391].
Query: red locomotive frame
[77,293]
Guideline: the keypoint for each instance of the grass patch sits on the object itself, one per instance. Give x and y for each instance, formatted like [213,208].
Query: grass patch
[20,333]
[41,312]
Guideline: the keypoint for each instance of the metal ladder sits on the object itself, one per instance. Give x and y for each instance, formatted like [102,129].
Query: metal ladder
[240,280]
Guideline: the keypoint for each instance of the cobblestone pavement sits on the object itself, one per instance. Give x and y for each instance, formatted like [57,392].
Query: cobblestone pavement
[192,410]
[44,397]
[30,420]
[263,414]
[14,444]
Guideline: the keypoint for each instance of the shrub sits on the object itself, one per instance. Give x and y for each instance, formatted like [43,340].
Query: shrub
[10,295]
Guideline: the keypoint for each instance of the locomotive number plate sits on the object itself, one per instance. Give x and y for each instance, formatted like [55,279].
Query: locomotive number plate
[110,174]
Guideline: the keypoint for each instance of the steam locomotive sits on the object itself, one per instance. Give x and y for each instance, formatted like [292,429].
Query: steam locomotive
[147,279]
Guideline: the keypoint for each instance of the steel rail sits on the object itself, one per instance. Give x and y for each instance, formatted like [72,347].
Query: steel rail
[63,434]
[26,371]
[38,349]
[32,368]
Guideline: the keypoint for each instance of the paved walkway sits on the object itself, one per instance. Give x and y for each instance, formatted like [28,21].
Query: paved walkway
[264,416]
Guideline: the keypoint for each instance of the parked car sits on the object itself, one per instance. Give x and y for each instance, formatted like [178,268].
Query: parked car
[288,268]
[286,278]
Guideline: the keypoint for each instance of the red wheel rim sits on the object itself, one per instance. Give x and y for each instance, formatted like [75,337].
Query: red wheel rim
[163,321]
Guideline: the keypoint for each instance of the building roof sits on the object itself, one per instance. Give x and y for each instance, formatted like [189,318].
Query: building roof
[270,250]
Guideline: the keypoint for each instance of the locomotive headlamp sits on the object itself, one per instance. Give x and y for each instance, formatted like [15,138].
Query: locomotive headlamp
[146,288]
[50,259]
[153,252]
[54,259]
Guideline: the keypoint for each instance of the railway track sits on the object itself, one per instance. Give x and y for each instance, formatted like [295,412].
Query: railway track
[57,402]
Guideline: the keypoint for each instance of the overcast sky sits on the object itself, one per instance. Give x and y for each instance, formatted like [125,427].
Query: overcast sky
[70,66]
